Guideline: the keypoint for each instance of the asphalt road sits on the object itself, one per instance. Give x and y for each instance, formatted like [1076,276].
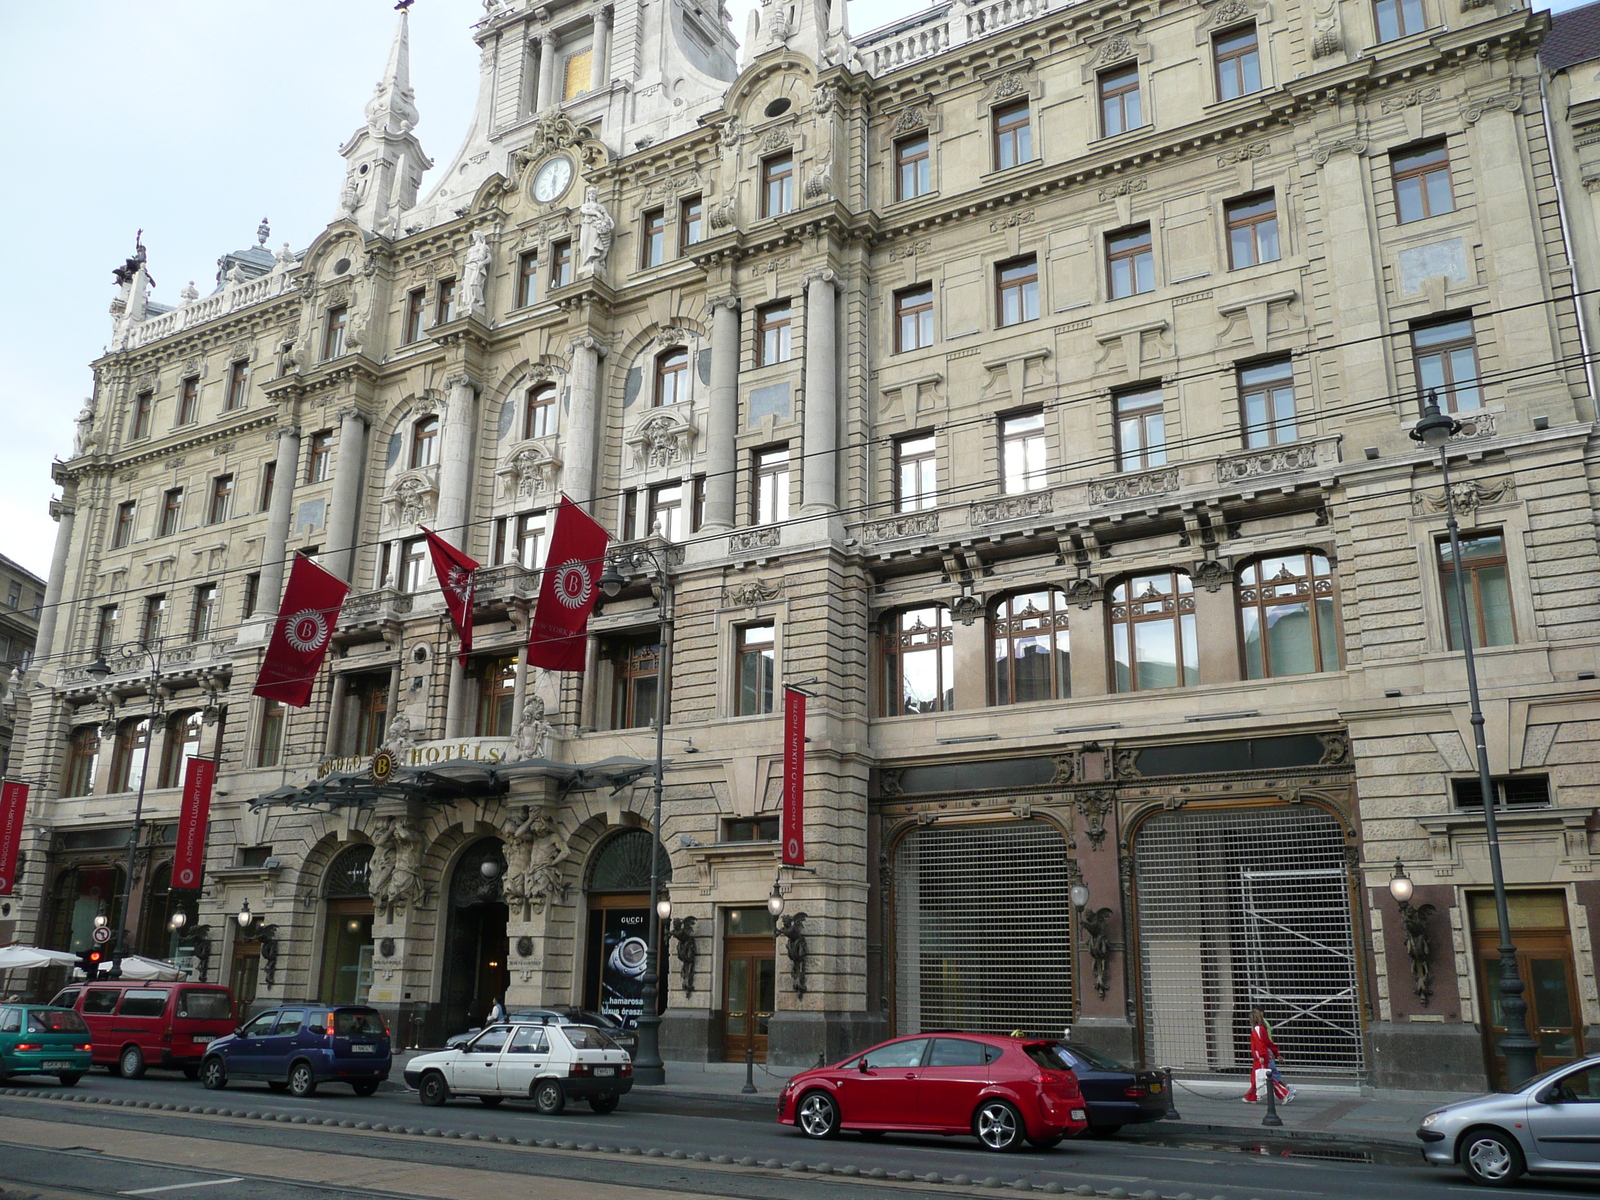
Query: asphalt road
[628,1149]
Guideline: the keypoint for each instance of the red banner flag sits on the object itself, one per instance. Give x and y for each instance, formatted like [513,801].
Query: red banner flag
[306,621]
[568,591]
[13,802]
[189,861]
[793,831]
[457,582]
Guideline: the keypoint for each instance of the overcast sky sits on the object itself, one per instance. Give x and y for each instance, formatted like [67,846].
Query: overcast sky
[190,119]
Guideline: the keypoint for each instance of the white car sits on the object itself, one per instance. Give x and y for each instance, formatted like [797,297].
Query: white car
[548,1064]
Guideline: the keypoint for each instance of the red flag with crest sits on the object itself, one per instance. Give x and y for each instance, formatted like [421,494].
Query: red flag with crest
[560,625]
[457,582]
[13,804]
[300,636]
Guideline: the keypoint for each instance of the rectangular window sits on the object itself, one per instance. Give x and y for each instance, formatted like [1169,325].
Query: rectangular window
[690,227]
[416,307]
[521,539]
[1445,355]
[252,592]
[1422,182]
[414,565]
[1141,429]
[1013,135]
[105,634]
[445,306]
[155,619]
[1266,397]
[773,340]
[269,480]
[238,385]
[171,508]
[1397,18]
[672,376]
[913,167]
[756,669]
[1510,791]
[561,263]
[777,185]
[577,73]
[1484,571]
[143,405]
[13,600]
[497,686]
[1253,230]
[269,735]
[1022,451]
[1119,101]
[771,485]
[635,673]
[540,419]
[221,507]
[321,456]
[1238,63]
[122,535]
[665,513]
[1017,291]
[333,334]
[654,248]
[205,610]
[750,829]
[630,515]
[916,473]
[697,511]
[1130,262]
[913,317]
[189,400]
[527,277]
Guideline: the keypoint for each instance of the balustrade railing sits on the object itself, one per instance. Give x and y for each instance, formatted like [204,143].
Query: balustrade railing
[231,298]
[941,28]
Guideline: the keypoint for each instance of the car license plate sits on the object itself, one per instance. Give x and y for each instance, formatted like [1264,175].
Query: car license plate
[1079,1115]
[363,1049]
[605,1070]
[1155,1087]
[204,1039]
[55,1064]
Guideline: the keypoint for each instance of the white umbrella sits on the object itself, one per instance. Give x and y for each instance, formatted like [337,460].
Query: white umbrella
[137,966]
[26,958]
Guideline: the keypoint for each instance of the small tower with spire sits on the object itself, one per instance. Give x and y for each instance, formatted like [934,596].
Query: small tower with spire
[385,158]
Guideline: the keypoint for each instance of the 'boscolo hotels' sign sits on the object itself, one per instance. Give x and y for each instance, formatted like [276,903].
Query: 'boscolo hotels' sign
[487,751]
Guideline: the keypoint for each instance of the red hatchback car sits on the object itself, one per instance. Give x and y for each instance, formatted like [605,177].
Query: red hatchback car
[1001,1090]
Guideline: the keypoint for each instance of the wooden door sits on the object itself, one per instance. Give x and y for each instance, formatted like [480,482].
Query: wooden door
[1549,977]
[245,971]
[749,990]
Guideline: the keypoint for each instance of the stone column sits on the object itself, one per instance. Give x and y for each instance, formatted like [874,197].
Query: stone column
[455,462]
[344,511]
[971,659]
[394,697]
[274,549]
[1215,621]
[819,486]
[1091,666]
[577,444]
[456,700]
[722,419]
[330,741]
[600,60]
[547,72]
[65,512]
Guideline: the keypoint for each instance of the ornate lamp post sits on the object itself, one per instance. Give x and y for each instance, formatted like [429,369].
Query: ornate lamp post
[1434,431]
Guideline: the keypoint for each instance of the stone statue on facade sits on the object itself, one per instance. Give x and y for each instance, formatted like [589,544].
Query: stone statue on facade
[475,273]
[400,735]
[530,738]
[533,854]
[83,439]
[394,879]
[595,239]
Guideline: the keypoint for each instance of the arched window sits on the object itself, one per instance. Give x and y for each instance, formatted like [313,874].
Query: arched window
[83,758]
[622,864]
[1286,616]
[1153,642]
[425,442]
[1031,652]
[919,666]
[127,754]
[672,376]
[540,418]
[183,743]
[158,939]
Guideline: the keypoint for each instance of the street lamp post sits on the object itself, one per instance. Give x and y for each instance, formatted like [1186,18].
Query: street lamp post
[648,1068]
[1435,430]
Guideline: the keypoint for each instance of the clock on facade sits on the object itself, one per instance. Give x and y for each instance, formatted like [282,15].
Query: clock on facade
[552,179]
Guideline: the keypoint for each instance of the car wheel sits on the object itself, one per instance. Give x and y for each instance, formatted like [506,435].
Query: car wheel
[277,1085]
[604,1104]
[490,1101]
[130,1064]
[433,1090]
[302,1081]
[548,1097]
[70,1078]
[1104,1131]
[1047,1143]
[998,1126]
[365,1088]
[213,1075]
[191,1072]
[817,1115]
[1491,1157]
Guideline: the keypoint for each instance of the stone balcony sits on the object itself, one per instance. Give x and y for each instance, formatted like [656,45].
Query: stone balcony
[373,612]
[182,663]
[232,298]
[941,27]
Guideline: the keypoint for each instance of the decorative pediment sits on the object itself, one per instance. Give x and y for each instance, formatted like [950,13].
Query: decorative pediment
[531,469]
[413,497]
[555,132]
[663,438]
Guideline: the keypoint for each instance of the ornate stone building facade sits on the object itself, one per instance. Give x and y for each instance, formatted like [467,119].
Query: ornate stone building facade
[1032,383]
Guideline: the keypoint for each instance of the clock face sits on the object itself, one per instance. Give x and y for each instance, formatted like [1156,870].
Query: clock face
[552,179]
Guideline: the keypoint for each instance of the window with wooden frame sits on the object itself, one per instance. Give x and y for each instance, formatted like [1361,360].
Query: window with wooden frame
[105,632]
[672,376]
[560,263]
[1141,429]
[527,277]
[665,513]
[1238,61]
[691,227]
[916,473]
[333,335]
[913,167]
[122,531]
[425,442]
[919,667]
[321,456]
[635,680]
[1130,262]
[189,400]
[143,405]
[1030,648]
[221,506]
[521,539]
[204,618]
[1120,109]
[1252,230]
[771,485]
[1017,291]
[444,308]
[629,515]
[539,416]
[777,185]
[155,620]
[755,669]
[415,569]
[1266,403]
[1013,135]
[1444,355]
[416,311]
[269,733]
[171,510]
[1486,573]
[183,742]
[1422,185]
[238,386]
[774,331]
[1398,18]
[653,235]
[697,510]
[127,754]
[497,686]
[269,480]
[366,713]
[1286,615]
[1022,451]
[252,593]
[1153,639]
[83,759]
[913,318]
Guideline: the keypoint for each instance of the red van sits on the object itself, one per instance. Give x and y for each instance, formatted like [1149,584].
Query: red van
[137,1024]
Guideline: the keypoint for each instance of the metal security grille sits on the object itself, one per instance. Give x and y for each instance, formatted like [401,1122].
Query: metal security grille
[983,929]
[1242,909]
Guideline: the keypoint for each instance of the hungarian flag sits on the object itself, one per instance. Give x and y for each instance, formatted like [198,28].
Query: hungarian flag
[456,581]
[567,593]
[300,636]
[13,804]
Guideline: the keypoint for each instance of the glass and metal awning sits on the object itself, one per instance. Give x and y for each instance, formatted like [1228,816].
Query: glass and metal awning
[450,781]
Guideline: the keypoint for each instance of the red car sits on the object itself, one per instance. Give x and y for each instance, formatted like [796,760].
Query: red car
[1001,1090]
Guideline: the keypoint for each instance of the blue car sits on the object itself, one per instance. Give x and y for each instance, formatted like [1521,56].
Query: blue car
[299,1047]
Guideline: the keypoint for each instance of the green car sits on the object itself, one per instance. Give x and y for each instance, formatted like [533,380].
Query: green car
[36,1040]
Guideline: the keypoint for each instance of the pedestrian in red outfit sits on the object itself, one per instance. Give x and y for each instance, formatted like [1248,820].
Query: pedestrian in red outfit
[1264,1056]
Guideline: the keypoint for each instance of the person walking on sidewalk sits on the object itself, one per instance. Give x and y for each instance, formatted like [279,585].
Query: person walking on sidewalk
[497,1013]
[1264,1056]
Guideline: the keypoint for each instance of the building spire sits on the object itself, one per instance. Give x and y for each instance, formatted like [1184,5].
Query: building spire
[393,107]
[385,160]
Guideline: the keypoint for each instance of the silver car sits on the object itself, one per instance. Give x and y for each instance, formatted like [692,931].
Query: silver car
[1550,1125]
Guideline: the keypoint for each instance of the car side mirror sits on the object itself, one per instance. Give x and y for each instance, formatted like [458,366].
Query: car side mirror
[862,1065]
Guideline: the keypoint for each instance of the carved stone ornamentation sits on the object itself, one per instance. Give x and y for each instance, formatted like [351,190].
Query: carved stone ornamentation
[1009,508]
[1419,947]
[919,525]
[1294,457]
[1468,495]
[747,540]
[722,213]
[1230,158]
[1133,487]
[1421,95]
[748,595]
[661,440]
[394,876]
[529,470]
[776,139]
[1126,187]
[1085,593]
[910,119]
[413,499]
[793,931]
[1095,806]
[1326,37]
[1097,939]
[1113,49]
[1335,750]
[1125,764]
[966,608]
[1326,150]
[1009,85]
[1211,574]
[556,131]
[688,950]
[534,852]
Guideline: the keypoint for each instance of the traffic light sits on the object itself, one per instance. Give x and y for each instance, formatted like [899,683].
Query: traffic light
[89,962]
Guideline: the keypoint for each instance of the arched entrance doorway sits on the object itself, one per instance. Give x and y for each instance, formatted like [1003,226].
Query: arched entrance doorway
[346,972]
[619,922]
[475,970]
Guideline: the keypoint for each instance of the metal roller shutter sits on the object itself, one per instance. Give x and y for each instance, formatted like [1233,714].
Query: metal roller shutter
[1244,908]
[983,929]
